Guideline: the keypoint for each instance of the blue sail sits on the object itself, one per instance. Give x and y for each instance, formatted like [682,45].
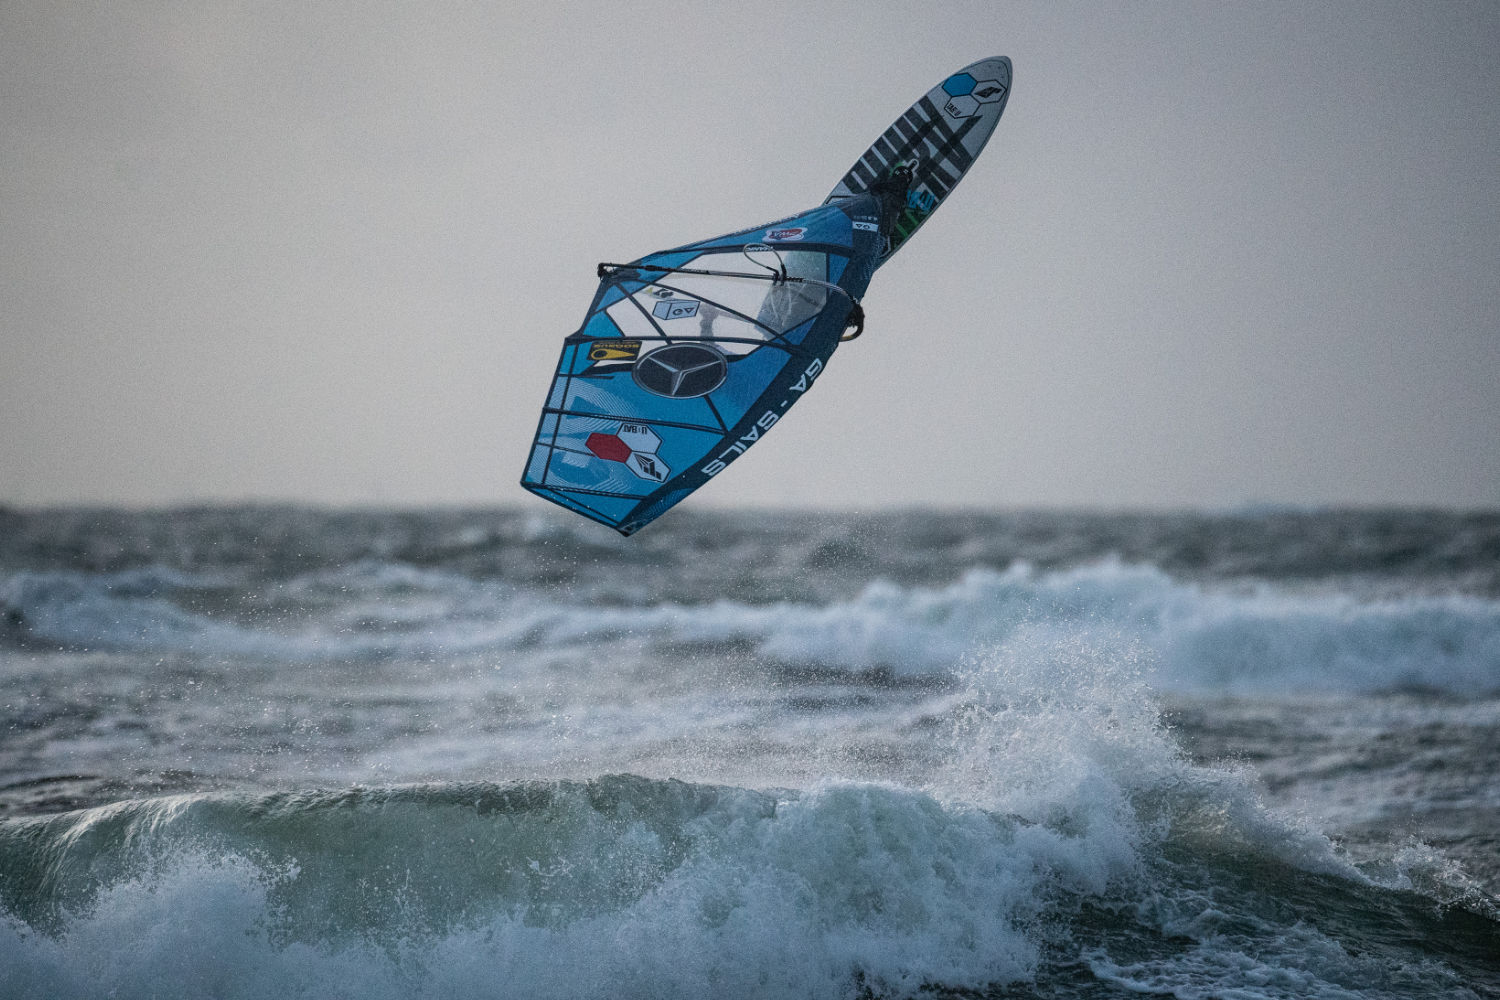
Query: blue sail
[689,356]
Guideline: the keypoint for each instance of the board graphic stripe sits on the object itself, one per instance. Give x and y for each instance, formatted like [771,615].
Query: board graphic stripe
[953,150]
[949,138]
[945,145]
[938,125]
[906,127]
[939,180]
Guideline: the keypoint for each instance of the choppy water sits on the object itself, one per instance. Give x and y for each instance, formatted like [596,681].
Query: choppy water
[283,752]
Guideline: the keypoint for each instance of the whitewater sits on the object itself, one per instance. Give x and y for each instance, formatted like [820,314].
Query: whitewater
[292,752]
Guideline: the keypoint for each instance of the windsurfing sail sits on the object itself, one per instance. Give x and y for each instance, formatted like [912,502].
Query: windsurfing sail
[689,356]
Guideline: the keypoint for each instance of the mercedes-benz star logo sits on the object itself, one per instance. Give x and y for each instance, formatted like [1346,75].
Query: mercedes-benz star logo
[681,371]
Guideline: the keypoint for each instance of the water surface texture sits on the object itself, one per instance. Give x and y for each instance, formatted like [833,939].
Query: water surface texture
[289,752]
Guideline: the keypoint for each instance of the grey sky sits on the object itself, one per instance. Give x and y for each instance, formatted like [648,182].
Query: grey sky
[1214,255]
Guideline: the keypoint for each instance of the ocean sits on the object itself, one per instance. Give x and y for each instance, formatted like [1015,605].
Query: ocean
[285,752]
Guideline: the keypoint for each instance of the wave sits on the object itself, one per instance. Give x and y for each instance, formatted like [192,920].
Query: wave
[1240,639]
[1061,841]
[626,886]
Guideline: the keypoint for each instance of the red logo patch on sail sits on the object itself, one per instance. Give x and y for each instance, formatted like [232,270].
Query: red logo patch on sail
[634,446]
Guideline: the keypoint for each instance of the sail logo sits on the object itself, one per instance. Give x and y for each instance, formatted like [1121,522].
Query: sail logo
[681,371]
[787,235]
[633,446]
[965,95]
[615,350]
[675,308]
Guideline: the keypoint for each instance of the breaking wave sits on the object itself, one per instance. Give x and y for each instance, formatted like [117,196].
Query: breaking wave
[1230,638]
[1067,840]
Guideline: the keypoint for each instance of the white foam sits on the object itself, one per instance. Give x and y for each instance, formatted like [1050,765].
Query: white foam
[1063,787]
[843,883]
[1240,640]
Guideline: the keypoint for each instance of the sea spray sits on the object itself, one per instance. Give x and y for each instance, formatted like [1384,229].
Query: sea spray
[282,752]
[650,888]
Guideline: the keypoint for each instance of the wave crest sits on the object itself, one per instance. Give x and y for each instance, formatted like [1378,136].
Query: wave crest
[1244,639]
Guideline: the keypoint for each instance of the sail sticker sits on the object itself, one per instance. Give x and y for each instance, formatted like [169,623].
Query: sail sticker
[615,350]
[989,91]
[634,446]
[682,371]
[675,308]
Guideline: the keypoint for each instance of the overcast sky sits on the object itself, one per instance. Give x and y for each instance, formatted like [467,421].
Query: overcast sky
[1214,255]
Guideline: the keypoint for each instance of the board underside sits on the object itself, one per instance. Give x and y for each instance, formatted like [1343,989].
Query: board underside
[939,137]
